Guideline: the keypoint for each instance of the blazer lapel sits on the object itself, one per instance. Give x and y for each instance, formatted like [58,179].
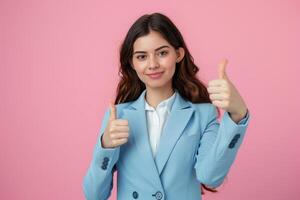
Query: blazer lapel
[136,116]
[177,120]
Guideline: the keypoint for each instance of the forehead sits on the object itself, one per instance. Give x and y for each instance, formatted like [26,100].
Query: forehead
[149,42]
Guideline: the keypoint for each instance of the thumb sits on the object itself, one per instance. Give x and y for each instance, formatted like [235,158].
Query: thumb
[113,111]
[222,69]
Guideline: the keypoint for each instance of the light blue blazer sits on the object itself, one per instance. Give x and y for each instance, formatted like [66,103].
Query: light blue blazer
[194,148]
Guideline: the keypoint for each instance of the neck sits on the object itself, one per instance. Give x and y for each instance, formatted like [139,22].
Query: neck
[155,96]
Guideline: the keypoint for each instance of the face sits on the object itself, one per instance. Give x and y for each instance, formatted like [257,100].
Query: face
[154,60]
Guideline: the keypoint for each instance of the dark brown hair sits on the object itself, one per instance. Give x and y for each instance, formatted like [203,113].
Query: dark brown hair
[184,80]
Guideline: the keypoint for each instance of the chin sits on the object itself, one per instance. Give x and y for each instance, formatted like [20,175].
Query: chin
[156,85]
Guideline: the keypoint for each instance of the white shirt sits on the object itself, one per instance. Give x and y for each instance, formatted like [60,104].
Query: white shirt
[156,119]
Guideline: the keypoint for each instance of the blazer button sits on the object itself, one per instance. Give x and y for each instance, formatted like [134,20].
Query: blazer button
[104,167]
[158,195]
[105,162]
[234,140]
[135,195]
[106,159]
[237,136]
[231,145]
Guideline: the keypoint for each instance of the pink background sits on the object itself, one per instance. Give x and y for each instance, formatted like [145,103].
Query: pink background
[59,63]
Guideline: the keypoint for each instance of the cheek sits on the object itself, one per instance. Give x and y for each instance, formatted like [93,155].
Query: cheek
[168,63]
[140,71]
[139,67]
[169,66]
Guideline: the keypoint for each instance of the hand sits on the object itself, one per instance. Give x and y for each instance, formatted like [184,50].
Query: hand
[117,130]
[224,94]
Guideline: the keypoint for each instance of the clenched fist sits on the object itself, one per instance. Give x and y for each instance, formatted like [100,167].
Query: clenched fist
[117,130]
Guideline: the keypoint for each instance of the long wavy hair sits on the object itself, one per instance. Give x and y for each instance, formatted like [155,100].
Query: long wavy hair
[184,79]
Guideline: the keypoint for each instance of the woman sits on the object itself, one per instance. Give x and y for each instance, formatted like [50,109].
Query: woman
[162,135]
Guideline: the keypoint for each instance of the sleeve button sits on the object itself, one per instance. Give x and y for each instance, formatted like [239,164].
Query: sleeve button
[106,159]
[135,195]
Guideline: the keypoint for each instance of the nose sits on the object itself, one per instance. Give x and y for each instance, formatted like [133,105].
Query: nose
[153,64]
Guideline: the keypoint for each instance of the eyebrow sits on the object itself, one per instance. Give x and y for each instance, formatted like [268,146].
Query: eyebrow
[155,49]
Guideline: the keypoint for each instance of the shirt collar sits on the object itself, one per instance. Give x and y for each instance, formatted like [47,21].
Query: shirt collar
[167,102]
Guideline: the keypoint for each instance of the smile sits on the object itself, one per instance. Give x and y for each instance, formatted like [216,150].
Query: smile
[155,75]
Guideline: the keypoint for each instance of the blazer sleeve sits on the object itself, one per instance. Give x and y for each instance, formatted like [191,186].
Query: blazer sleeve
[98,181]
[218,147]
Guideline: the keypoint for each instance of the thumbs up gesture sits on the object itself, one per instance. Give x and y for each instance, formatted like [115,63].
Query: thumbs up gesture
[223,94]
[117,130]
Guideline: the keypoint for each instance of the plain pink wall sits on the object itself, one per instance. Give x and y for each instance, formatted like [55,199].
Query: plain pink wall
[59,63]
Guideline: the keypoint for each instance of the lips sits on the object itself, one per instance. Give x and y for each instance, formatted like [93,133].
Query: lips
[155,75]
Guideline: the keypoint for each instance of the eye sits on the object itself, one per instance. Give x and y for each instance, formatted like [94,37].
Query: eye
[140,57]
[163,53]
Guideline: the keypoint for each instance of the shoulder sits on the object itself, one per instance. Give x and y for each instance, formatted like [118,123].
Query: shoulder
[204,108]
[205,111]
[119,107]
[203,114]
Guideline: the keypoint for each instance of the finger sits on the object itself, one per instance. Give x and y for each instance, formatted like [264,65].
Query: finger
[215,89]
[119,135]
[222,69]
[220,97]
[118,142]
[118,128]
[220,104]
[217,82]
[121,122]
[113,111]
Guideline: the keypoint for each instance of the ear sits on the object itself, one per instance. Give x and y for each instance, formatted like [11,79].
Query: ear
[180,54]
